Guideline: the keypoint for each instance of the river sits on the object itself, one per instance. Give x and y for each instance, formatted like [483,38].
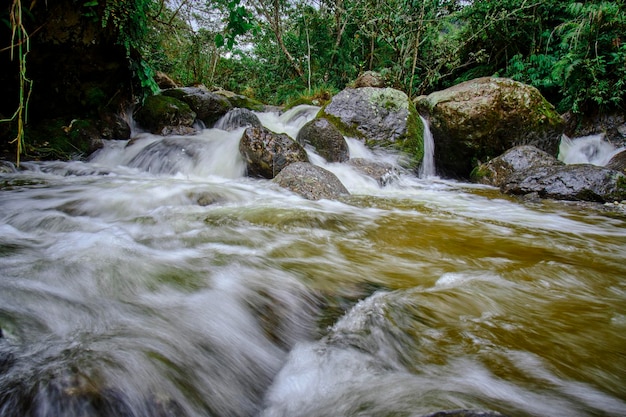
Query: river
[157,280]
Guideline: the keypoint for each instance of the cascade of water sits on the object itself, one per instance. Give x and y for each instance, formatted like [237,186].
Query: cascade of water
[428,163]
[586,150]
[128,289]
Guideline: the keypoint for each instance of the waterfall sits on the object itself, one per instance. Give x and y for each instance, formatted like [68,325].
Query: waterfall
[427,168]
[592,149]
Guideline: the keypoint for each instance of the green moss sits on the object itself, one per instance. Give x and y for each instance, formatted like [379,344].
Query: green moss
[413,143]
[479,172]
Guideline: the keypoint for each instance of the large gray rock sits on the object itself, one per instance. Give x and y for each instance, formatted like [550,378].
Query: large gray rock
[163,115]
[266,153]
[325,138]
[514,161]
[311,181]
[480,119]
[208,106]
[579,182]
[382,117]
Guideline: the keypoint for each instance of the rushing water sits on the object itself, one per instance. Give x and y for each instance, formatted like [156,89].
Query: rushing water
[156,280]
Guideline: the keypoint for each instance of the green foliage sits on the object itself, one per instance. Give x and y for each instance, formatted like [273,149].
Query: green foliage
[130,22]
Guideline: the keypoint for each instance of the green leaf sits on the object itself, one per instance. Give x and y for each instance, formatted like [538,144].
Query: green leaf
[219,40]
[92,3]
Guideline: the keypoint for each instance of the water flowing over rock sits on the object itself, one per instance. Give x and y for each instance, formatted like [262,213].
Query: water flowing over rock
[579,182]
[480,119]
[514,161]
[383,173]
[208,106]
[612,126]
[164,115]
[266,153]
[382,117]
[325,138]
[236,118]
[310,181]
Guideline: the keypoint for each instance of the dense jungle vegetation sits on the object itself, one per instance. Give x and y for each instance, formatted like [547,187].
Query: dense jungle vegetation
[279,51]
[276,50]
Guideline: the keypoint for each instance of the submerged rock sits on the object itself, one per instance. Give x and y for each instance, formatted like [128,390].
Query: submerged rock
[266,153]
[382,117]
[514,161]
[208,106]
[311,181]
[579,182]
[383,173]
[164,115]
[236,118]
[480,119]
[326,139]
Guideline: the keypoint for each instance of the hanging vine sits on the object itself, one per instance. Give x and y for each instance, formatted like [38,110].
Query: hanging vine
[20,46]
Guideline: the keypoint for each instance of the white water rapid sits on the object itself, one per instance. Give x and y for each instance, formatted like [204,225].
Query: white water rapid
[587,150]
[156,280]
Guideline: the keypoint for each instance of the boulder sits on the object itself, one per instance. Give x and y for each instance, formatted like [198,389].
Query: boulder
[164,115]
[618,162]
[164,81]
[382,117]
[266,153]
[370,79]
[514,161]
[310,181]
[480,119]
[241,101]
[237,118]
[325,138]
[383,173]
[578,182]
[208,106]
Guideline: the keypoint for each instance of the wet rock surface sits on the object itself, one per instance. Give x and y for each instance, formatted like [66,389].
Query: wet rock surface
[311,181]
[164,115]
[515,160]
[266,153]
[480,119]
[569,182]
[325,138]
[208,106]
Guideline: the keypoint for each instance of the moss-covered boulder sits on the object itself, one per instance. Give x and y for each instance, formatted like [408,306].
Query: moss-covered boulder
[325,138]
[480,119]
[164,115]
[241,101]
[382,117]
[208,106]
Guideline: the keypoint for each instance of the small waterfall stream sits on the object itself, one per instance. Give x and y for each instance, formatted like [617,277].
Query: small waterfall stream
[155,280]
[428,164]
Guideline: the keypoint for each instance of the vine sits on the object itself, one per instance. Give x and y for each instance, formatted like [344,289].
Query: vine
[20,46]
